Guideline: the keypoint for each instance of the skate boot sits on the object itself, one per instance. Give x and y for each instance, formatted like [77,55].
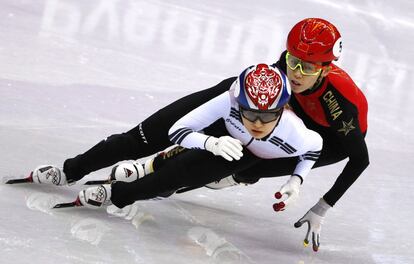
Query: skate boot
[49,174]
[131,171]
[96,196]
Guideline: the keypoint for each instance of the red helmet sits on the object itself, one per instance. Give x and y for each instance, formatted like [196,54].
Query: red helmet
[314,40]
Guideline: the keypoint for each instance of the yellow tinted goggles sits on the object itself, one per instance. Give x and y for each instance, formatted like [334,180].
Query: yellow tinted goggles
[306,68]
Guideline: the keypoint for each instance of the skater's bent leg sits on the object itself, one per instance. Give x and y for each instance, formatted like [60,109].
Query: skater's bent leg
[106,153]
[147,138]
[192,168]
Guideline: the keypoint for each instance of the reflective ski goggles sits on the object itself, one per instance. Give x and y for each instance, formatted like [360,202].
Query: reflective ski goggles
[306,68]
[264,117]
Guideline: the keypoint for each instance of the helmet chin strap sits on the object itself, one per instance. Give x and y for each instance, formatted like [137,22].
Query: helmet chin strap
[318,82]
[315,86]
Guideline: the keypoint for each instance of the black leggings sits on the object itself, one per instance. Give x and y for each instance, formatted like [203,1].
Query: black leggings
[193,168]
[147,138]
[196,168]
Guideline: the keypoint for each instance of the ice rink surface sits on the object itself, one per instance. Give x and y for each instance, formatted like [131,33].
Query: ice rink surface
[73,72]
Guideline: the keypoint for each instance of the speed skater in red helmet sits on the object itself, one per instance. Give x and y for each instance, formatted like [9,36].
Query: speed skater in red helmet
[328,101]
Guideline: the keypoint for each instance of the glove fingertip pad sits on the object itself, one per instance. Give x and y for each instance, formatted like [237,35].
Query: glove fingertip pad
[279,206]
[278,195]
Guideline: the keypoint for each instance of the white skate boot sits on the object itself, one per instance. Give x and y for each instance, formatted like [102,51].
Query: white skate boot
[96,197]
[131,171]
[49,174]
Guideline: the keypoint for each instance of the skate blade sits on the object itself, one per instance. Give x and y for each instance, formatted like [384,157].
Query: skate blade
[98,182]
[76,203]
[24,180]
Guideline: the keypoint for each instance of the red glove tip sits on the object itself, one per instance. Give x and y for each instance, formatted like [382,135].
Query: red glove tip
[278,195]
[279,206]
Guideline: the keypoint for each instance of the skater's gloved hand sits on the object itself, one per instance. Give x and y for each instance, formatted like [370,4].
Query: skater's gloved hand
[314,218]
[288,193]
[225,146]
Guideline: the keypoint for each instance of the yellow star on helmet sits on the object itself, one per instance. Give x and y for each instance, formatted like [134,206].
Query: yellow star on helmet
[347,127]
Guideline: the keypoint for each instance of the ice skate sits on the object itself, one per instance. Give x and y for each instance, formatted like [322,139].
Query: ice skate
[49,174]
[95,197]
[44,174]
[127,172]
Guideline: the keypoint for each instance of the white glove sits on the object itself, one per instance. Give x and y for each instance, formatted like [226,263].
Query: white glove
[288,193]
[314,218]
[225,146]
